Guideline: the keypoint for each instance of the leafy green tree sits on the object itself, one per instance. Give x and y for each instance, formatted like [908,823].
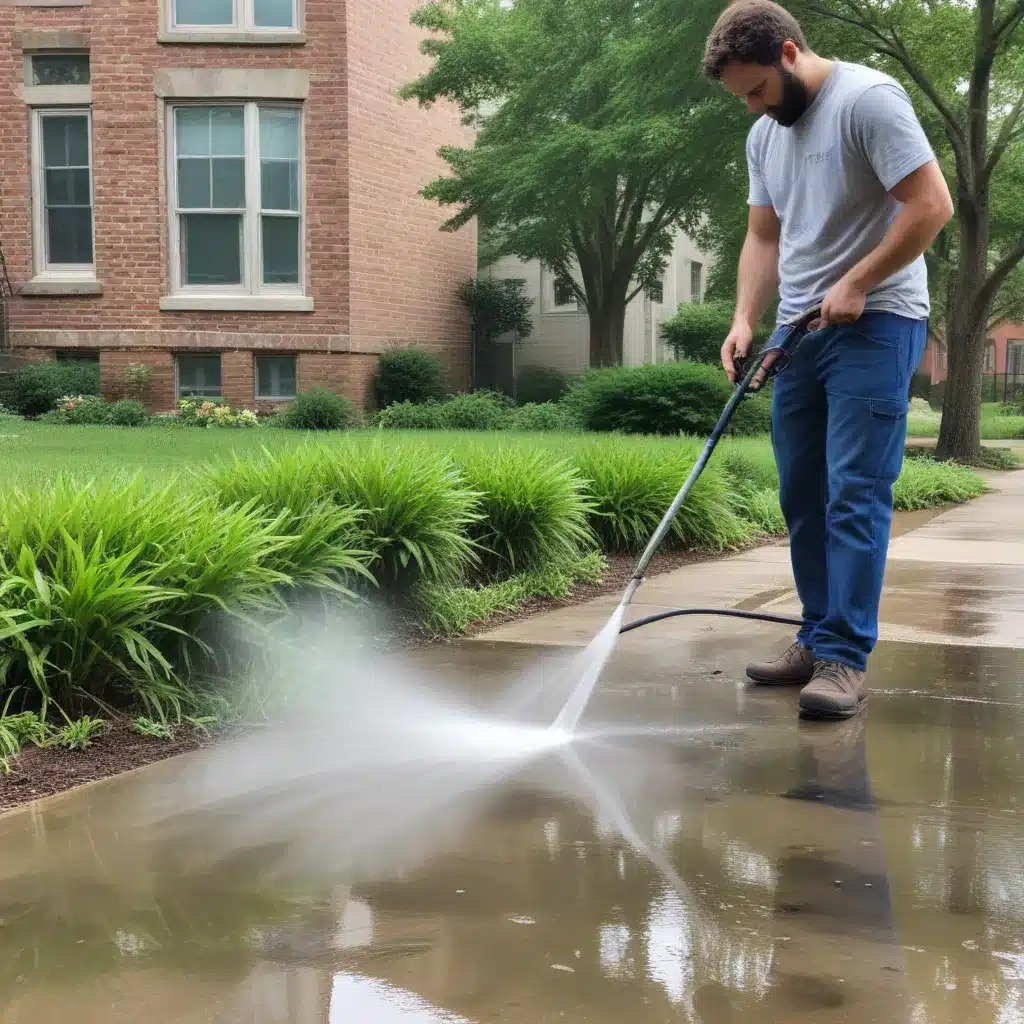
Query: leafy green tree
[496,307]
[596,137]
[962,63]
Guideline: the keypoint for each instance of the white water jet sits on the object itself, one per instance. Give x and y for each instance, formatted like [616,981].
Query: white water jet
[589,667]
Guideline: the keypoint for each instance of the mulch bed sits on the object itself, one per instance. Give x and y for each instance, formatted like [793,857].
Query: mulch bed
[42,772]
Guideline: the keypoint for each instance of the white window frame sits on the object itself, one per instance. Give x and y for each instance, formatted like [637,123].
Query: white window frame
[696,269]
[243,20]
[256,378]
[251,293]
[42,269]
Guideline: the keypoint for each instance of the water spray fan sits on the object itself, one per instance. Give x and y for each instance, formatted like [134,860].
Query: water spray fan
[784,340]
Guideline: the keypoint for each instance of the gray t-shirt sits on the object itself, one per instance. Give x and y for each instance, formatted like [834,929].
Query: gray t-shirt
[828,179]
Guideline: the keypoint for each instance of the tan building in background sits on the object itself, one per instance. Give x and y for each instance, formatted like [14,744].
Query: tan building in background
[225,191]
[561,338]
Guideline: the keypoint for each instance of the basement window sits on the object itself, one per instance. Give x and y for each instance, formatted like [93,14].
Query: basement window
[198,376]
[275,377]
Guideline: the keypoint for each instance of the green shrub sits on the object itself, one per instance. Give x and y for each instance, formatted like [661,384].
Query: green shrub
[317,410]
[631,487]
[663,398]
[415,509]
[539,418]
[697,331]
[408,375]
[480,410]
[209,413]
[113,583]
[128,413]
[536,385]
[534,508]
[753,416]
[407,416]
[36,388]
[80,411]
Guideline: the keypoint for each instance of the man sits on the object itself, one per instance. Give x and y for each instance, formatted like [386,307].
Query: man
[845,196]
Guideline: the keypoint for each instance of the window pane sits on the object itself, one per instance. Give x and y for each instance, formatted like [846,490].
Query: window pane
[227,126]
[275,377]
[66,141]
[211,249]
[199,376]
[279,134]
[194,184]
[274,13]
[280,250]
[68,187]
[192,131]
[203,12]
[61,69]
[228,184]
[280,185]
[69,234]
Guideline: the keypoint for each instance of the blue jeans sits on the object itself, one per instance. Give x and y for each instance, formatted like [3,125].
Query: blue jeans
[839,425]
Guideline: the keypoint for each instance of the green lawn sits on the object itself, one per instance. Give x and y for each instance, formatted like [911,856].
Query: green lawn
[33,452]
[924,422]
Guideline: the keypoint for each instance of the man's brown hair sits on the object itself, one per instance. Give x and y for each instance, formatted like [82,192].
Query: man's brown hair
[750,32]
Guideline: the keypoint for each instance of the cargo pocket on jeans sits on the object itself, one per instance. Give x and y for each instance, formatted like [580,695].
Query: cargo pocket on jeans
[887,428]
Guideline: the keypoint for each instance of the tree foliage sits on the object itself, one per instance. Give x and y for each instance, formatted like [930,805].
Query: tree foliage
[697,330]
[596,137]
[497,307]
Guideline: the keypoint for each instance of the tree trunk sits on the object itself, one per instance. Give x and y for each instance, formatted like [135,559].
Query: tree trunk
[607,327]
[960,431]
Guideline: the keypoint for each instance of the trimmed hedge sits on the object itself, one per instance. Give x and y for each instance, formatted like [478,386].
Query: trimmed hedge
[408,375]
[661,398]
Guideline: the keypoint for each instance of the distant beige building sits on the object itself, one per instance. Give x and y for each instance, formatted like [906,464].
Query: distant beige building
[561,334]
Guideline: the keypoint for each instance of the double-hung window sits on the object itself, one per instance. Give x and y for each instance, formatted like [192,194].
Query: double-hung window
[236,200]
[62,193]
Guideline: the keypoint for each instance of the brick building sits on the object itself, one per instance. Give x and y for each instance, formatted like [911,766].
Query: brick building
[226,191]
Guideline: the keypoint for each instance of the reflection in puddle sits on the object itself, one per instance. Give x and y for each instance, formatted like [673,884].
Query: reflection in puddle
[358,1000]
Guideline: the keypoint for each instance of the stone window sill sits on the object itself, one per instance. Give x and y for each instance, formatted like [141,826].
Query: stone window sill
[53,287]
[239,37]
[237,303]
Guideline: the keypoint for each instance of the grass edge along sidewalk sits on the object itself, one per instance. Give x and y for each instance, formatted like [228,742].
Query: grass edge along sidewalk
[112,590]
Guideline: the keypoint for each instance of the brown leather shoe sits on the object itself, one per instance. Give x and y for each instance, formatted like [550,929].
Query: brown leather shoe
[835,691]
[794,665]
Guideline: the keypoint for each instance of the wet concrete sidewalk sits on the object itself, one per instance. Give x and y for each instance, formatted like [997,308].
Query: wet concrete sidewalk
[703,857]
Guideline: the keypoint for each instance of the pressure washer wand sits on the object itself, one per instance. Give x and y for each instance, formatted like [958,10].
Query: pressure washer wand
[785,340]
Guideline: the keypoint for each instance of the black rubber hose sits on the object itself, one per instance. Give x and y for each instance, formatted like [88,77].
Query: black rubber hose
[784,620]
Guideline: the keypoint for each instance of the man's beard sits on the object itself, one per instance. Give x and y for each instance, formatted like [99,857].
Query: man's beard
[795,100]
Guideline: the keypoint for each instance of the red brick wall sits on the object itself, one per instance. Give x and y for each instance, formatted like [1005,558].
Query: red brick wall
[366,154]
[161,389]
[405,271]
[131,219]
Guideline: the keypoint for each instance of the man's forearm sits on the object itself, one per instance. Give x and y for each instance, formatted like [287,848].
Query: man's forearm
[756,280]
[911,232]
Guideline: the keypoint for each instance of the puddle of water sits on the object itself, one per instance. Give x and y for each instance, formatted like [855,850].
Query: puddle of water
[724,863]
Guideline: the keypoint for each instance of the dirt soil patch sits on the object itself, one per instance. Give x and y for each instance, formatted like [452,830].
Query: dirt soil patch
[44,771]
